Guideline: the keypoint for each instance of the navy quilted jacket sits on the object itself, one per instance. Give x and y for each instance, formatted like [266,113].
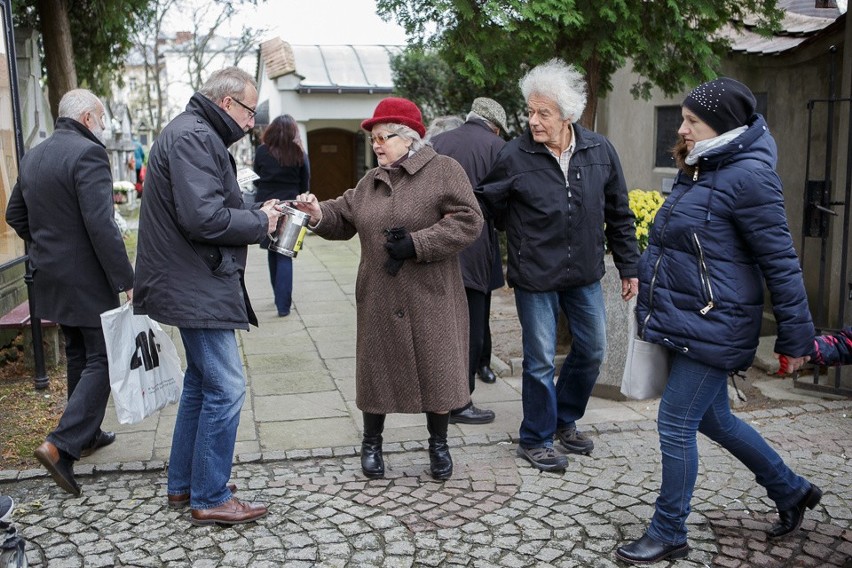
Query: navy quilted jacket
[717,238]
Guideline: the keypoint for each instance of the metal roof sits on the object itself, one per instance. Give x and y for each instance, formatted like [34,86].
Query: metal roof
[800,22]
[332,68]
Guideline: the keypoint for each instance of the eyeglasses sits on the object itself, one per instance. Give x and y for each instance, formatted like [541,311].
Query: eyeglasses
[380,139]
[252,112]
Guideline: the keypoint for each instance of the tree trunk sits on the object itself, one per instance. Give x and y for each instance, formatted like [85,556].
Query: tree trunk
[58,50]
[593,78]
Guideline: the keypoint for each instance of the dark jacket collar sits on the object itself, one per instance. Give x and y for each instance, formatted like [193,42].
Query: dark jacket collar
[479,122]
[65,123]
[225,126]
[583,141]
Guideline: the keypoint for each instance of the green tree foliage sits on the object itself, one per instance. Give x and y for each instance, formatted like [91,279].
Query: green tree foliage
[672,44]
[103,36]
[100,38]
[420,74]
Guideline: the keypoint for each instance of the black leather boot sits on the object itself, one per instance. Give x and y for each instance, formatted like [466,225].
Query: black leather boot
[790,520]
[440,462]
[372,463]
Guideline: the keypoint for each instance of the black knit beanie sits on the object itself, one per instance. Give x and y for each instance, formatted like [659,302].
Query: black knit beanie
[723,103]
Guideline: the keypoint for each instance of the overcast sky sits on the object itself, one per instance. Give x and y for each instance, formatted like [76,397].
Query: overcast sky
[330,22]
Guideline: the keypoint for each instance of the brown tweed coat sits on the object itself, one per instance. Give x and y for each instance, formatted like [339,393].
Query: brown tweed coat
[412,342]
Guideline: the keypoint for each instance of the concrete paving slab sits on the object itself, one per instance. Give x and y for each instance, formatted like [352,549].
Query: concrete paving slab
[284,362]
[304,406]
[278,341]
[295,382]
[306,434]
[346,387]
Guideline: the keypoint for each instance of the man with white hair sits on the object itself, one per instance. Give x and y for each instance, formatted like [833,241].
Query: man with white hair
[62,206]
[559,192]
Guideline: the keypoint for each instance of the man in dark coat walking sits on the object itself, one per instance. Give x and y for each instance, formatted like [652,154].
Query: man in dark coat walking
[194,232]
[62,206]
[475,145]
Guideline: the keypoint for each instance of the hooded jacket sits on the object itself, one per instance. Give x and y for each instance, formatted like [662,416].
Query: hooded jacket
[555,230]
[193,227]
[717,238]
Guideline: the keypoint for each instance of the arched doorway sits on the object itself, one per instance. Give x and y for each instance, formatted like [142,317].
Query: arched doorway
[332,154]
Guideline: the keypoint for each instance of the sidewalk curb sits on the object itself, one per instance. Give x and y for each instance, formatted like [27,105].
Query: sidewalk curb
[84,470]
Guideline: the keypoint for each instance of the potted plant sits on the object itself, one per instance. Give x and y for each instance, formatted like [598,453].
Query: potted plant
[121,191]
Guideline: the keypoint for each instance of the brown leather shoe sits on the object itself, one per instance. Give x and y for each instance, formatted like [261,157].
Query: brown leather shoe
[60,469]
[182,499]
[233,512]
[104,439]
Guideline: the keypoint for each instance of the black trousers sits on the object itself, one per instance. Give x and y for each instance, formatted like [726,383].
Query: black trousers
[88,390]
[479,312]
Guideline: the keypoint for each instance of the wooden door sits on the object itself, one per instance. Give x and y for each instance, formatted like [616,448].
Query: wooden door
[332,155]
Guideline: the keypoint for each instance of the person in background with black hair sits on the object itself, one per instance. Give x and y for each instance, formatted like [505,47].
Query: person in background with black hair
[285,172]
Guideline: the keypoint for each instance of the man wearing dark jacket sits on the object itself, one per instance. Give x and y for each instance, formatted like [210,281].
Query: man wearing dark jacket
[62,206]
[475,145]
[193,235]
[559,191]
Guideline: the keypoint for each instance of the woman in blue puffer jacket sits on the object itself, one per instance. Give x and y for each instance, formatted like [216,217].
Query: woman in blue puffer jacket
[720,235]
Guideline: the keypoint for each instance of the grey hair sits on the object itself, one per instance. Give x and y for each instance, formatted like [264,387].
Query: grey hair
[77,102]
[442,124]
[405,132]
[490,124]
[560,82]
[227,82]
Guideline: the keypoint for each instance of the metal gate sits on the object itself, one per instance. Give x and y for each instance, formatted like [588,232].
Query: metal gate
[820,211]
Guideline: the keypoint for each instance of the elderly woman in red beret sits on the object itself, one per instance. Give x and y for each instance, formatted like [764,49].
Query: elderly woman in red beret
[413,214]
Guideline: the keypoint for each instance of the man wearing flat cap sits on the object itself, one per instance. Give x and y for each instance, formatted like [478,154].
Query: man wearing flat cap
[475,146]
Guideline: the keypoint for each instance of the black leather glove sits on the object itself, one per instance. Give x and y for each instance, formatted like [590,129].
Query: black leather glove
[400,245]
[395,237]
[392,266]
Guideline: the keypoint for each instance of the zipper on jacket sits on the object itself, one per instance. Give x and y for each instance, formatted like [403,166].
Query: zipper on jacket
[705,277]
[657,266]
[667,341]
[695,175]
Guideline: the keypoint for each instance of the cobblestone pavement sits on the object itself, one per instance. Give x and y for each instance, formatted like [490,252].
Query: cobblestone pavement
[495,511]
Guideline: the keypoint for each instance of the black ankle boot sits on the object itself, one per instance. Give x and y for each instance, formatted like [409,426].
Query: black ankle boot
[372,463]
[789,520]
[646,550]
[440,462]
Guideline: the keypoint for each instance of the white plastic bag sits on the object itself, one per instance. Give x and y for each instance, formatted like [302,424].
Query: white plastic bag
[144,368]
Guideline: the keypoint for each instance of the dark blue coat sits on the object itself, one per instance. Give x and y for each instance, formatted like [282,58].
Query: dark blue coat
[555,231]
[279,182]
[717,238]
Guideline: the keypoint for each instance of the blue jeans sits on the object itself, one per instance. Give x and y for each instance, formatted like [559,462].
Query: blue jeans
[696,399]
[548,407]
[281,276]
[214,387]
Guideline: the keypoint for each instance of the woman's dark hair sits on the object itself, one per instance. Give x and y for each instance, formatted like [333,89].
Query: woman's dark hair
[679,153]
[282,138]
